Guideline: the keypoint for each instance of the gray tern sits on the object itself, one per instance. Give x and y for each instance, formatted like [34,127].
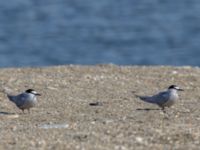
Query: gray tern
[25,100]
[165,98]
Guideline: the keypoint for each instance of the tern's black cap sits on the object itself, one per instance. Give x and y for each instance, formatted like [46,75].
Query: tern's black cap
[173,87]
[29,91]
[32,92]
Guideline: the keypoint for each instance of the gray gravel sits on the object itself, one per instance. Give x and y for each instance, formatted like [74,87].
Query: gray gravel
[94,107]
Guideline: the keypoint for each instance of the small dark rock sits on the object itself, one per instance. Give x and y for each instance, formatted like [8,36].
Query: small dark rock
[96,104]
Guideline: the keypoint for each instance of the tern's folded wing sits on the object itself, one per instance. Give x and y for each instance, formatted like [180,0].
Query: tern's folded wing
[161,98]
[21,99]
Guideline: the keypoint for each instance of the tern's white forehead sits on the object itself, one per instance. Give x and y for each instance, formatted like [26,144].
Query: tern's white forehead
[176,87]
[33,92]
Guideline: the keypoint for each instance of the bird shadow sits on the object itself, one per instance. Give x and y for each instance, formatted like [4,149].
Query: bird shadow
[6,113]
[147,109]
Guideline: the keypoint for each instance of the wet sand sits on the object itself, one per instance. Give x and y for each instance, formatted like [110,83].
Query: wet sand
[94,107]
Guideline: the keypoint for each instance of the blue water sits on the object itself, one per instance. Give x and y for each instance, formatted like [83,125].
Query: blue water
[125,32]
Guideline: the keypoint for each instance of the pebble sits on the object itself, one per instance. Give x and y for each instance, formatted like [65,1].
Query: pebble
[139,139]
[9,116]
[54,126]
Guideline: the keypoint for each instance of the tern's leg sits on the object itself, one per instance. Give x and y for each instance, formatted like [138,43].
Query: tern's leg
[29,110]
[165,113]
[163,109]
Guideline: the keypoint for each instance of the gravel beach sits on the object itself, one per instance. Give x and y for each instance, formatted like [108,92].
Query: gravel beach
[94,107]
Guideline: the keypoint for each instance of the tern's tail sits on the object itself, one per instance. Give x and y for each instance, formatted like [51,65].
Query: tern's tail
[146,98]
[11,98]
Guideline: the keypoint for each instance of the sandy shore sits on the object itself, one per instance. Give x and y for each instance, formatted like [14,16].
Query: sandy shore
[64,118]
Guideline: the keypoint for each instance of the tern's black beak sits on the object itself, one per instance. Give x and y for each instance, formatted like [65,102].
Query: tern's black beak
[180,90]
[37,94]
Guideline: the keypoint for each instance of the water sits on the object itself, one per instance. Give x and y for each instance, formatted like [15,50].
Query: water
[125,32]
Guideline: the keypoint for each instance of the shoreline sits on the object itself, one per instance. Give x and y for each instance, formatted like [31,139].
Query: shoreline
[99,65]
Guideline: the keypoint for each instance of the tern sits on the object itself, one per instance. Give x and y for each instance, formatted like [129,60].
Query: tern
[25,100]
[165,98]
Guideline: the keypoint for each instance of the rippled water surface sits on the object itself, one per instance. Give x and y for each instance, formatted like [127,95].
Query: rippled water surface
[126,32]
